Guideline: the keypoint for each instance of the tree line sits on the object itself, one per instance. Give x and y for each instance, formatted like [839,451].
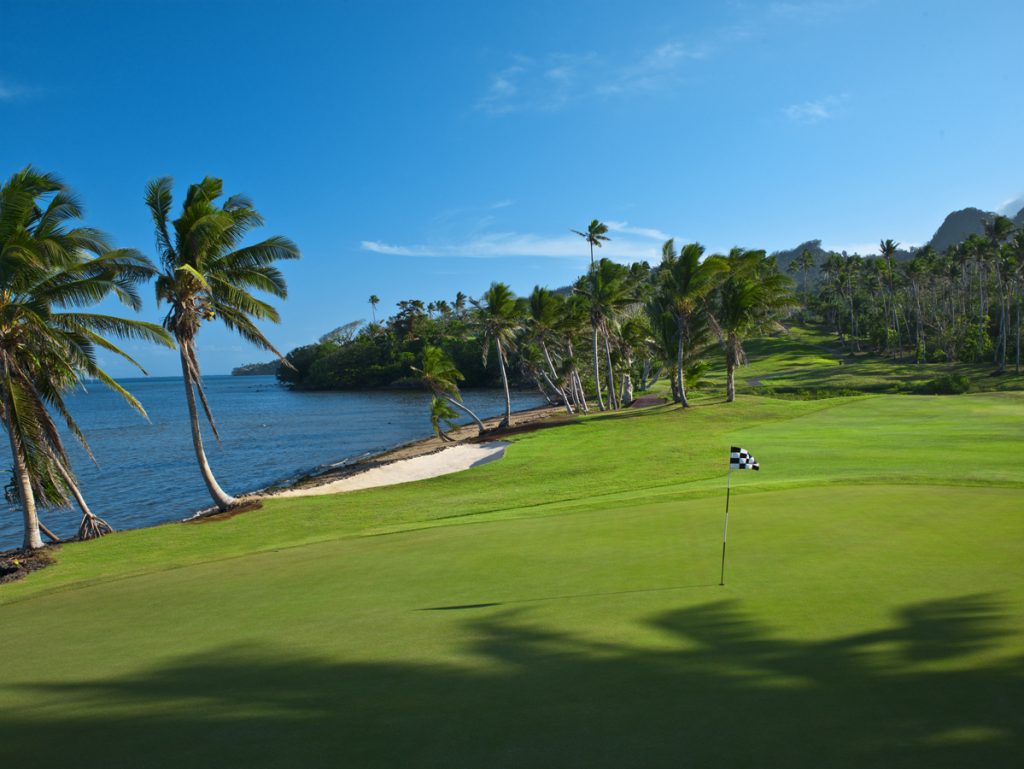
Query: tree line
[960,305]
[617,329]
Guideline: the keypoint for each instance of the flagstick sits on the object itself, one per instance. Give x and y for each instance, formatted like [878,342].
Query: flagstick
[725,528]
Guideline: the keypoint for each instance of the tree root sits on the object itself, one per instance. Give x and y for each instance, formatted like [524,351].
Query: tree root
[93,527]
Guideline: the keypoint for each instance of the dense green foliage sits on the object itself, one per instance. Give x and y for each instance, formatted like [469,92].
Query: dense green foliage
[256,369]
[52,272]
[962,305]
[619,328]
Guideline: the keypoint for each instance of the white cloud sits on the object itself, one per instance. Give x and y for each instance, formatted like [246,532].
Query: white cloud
[644,232]
[815,111]
[10,92]
[554,81]
[655,70]
[1012,206]
[639,243]
[530,84]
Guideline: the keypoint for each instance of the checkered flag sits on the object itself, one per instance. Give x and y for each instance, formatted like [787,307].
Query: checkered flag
[740,459]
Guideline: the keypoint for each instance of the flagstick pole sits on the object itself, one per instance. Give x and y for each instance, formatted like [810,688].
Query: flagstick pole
[725,528]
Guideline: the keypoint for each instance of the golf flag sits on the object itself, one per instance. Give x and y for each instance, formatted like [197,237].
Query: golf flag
[740,459]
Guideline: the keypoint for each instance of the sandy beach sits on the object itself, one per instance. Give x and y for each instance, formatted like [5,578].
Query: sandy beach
[427,458]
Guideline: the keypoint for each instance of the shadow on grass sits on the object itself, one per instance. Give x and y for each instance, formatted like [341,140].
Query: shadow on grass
[717,691]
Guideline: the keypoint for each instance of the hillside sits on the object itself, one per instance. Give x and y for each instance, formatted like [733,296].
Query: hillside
[955,228]
[960,225]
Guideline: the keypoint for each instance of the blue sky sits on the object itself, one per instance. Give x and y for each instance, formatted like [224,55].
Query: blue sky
[418,149]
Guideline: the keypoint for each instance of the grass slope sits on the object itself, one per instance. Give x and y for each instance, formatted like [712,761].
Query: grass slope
[871,615]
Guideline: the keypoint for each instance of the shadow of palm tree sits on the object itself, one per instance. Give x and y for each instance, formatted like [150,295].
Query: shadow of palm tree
[720,691]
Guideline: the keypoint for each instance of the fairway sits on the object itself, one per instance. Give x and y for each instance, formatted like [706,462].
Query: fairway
[562,608]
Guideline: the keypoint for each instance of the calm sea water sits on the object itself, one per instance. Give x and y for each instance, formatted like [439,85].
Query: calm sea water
[147,471]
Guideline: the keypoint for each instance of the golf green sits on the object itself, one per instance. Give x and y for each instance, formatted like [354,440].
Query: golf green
[871,616]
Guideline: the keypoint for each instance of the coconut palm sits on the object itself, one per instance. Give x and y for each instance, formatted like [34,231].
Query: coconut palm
[751,300]
[441,412]
[374,301]
[442,377]
[544,310]
[595,235]
[607,290]
[684,284]
[206,274]
[50,271]
[498,318]
[887,248]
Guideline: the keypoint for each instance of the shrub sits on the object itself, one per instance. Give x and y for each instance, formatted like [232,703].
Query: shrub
[948,384]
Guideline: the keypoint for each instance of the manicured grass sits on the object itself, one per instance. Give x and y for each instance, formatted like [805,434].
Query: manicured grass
[809,359]
[871,616]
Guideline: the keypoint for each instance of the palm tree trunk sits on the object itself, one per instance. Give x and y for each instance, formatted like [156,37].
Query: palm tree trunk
[463,407]
[730,370]
[577,382]
[597,373]
[612,400]
[504,381]
[679,369]
[554,373]
[32,540]
[222,499]
[581,395]
[91,526]
[627,389]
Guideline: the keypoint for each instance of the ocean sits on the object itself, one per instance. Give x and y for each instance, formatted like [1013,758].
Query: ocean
[146,472]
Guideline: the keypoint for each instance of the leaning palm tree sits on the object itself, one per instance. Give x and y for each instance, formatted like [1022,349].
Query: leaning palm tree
[50,272]
[206,273]
[752,299]
[543,312]
[440,374]
[595,235]
[497,315]
[442,415]
[684,283]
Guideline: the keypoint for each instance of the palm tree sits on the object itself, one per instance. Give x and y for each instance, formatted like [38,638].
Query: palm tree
[684,283]
[50,271]
[498,319]
[595,235]
[543,313]
[374,301]
[997,231]
[442,377]
[803,264]
[887,248]
[207,274]
[440,412]
[751,299]
[606,289]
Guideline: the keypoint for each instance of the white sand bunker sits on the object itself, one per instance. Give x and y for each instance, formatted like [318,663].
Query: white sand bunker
[453,459]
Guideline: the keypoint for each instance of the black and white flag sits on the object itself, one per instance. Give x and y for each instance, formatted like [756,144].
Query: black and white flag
[740,459]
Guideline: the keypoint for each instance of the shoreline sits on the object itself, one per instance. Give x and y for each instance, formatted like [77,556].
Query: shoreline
[525,420]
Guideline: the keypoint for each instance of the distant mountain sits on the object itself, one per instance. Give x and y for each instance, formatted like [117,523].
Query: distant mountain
[956,227]
[960,225]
